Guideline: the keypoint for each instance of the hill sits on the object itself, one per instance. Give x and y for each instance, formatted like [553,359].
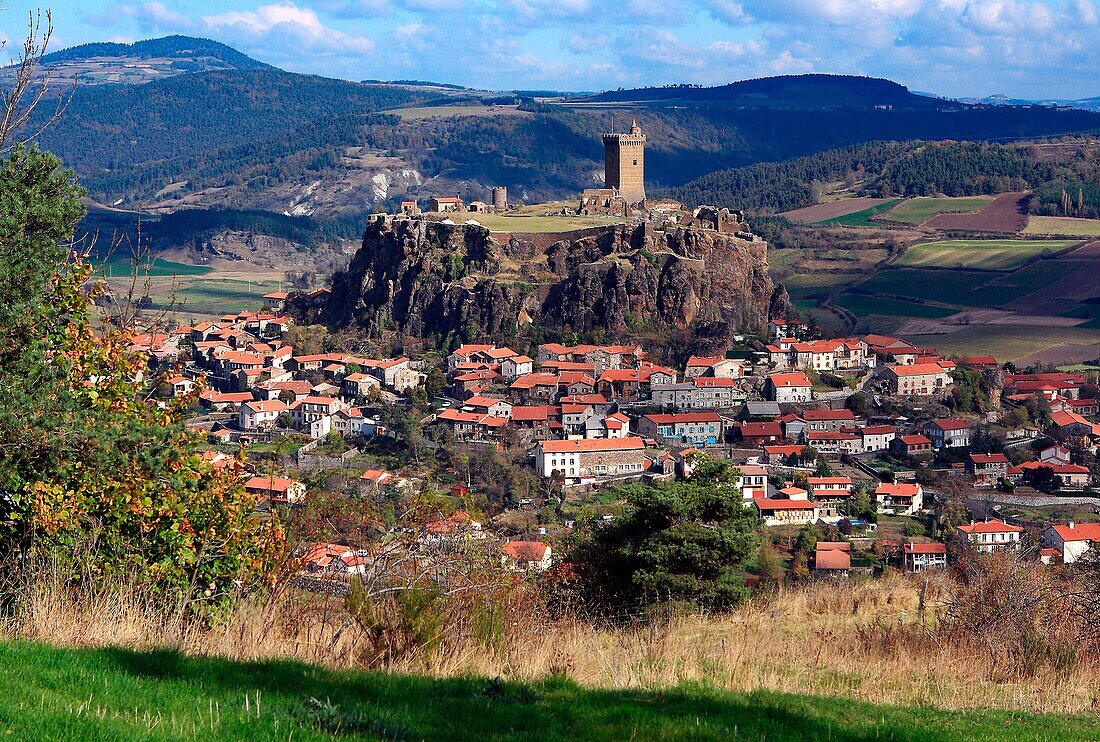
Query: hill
[239,134]
[144,61]
[911,168]
[72,694]
[785,91]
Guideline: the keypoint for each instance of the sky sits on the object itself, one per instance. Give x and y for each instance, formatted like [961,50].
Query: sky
[1022,48]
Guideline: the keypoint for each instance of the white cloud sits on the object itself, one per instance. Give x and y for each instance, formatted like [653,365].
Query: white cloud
[288,24]
[155,15]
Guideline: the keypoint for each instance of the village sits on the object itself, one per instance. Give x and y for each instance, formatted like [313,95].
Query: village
[877,448]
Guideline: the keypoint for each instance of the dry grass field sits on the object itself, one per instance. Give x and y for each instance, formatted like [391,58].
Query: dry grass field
[845,638]
[432,112]
[1062,225]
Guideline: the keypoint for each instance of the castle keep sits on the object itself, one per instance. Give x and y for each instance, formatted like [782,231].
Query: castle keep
[624,163]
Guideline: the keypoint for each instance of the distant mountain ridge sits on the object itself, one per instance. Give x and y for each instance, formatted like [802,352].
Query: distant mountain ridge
[785,91]
[167,46]
[144,61]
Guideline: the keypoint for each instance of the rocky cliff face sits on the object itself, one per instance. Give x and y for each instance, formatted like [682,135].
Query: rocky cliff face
[456,282]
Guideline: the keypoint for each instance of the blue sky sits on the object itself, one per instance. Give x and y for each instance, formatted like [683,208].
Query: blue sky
[1026,48]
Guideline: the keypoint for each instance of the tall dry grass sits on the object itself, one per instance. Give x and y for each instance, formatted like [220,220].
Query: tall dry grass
[853,638]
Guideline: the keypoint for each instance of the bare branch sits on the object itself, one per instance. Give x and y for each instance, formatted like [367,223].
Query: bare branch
[29,86]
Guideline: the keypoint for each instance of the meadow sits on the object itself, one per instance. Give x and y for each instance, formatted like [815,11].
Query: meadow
[120,694]
[535,223]
[1043,225]
[991,255]
[862,305]
[921,209]
[431,112]
[118,266]
[967,288]
[1007,342]
[860,218]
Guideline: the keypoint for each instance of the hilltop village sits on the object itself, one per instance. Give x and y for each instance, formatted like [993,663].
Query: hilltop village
[874,452]
[868,437]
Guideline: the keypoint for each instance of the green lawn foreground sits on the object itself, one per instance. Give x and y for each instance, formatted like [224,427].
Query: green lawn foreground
[117,694]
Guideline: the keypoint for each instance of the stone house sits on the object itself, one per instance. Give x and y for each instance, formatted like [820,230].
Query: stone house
[585,461]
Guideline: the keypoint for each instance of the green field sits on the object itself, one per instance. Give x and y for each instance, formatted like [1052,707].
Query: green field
[1062,225]
[921,209]
[860,218]
[968,288]
[979,254]
[431,112]
[121,267]
[1006,342]
[216,295]
[508,223]
[118,694]
[862,305]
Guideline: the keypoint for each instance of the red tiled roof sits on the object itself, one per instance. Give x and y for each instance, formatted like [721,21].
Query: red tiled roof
[525,551]
[925,548]
[1079,532]
[601,444]
[991,526]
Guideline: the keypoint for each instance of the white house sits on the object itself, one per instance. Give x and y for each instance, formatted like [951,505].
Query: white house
[789,388]
[526,556]
[260,414]
[899,498]
[587,460]
[992,535]
[1072,539]
[919,557]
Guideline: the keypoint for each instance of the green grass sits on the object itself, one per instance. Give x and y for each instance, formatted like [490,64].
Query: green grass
[120,267]
[216,295]
[413,114]
[534,224]
[862,305]
[921,209]
[968,288]
[117,694]
[1006,342]
[860,218]
[993,255]
[1062,225]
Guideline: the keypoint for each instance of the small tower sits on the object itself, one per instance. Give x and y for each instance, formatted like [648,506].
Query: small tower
[500,198]
[624,163]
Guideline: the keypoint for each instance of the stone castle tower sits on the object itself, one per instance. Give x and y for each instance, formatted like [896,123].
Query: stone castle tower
[624,163]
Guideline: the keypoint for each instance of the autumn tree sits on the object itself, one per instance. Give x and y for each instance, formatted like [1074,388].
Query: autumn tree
[95,477]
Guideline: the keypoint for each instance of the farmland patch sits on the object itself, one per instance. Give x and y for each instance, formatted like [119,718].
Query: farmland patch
[921,209]
[979,254]
[1006,213]
[1056,225]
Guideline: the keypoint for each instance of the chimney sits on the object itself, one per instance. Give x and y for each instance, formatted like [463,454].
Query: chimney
[1071,525]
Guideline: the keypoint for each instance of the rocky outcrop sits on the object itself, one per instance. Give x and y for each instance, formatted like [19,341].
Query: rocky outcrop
[427,279]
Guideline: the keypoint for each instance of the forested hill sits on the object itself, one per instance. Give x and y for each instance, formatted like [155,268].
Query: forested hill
[912,168]
[109,129]
[181,48]
[785,91]
[262,138]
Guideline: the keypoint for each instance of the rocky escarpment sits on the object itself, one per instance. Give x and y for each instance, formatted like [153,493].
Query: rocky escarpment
[457,282]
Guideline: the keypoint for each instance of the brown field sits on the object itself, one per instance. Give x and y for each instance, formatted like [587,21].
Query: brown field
[821,212]
[1005,214]
[1069,292]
